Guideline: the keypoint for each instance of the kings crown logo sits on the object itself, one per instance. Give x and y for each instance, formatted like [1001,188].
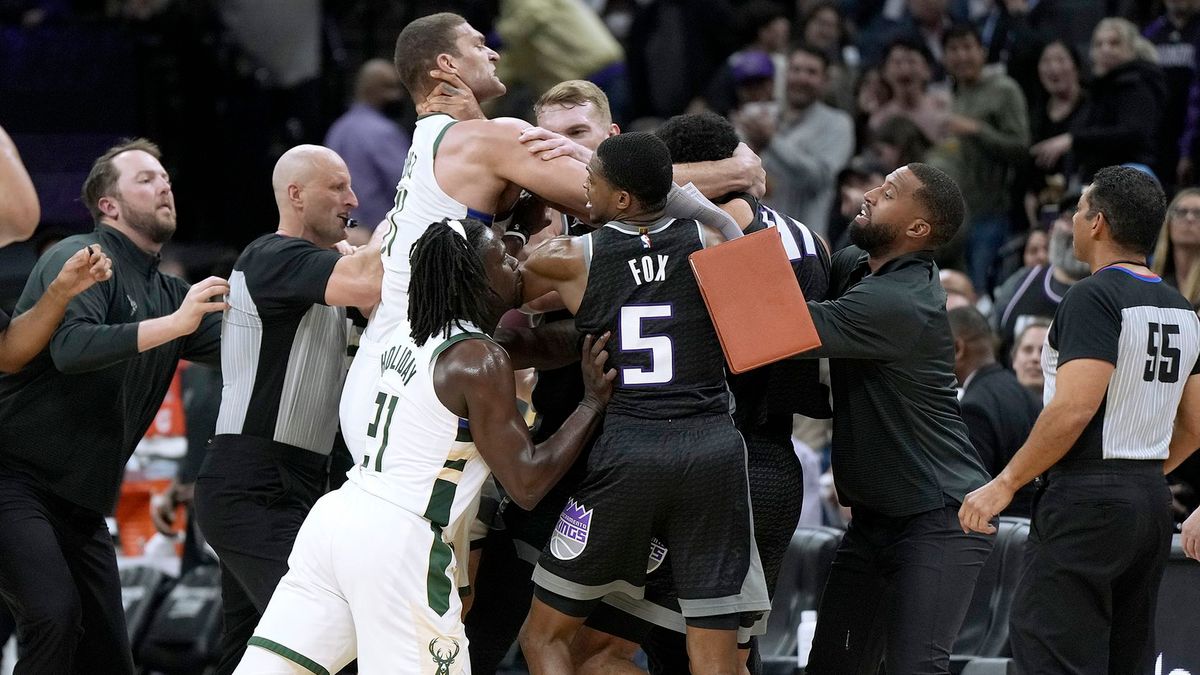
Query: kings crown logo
[571,533]
[443,654]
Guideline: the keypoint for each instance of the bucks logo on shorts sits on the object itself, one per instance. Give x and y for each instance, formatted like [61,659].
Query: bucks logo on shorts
[443,651]
[571,533]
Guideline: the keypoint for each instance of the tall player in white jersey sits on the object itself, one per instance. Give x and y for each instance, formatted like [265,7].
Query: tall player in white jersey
[373,571]
[469,168]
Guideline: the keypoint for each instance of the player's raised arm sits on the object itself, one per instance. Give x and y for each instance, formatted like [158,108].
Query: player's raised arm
[558,265]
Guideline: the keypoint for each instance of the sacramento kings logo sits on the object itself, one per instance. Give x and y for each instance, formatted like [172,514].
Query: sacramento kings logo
[658,553]
[571,532]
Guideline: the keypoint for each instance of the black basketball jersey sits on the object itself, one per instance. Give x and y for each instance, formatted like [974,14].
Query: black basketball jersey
[1150,334]
[641,287]
[767,396]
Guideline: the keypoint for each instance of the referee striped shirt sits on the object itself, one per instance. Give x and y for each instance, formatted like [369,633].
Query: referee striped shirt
[1150,334]
[283,350]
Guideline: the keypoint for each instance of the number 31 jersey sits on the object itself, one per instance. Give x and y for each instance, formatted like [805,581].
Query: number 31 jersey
[1150,334]
[641,287]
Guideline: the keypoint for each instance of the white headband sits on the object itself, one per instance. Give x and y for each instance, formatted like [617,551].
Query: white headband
[457,226]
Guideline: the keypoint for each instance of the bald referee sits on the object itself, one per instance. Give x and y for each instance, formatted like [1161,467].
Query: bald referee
[283,357]
[1122,407]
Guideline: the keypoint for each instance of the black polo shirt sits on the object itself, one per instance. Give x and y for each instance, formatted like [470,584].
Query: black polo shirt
[899,443]
[70,419]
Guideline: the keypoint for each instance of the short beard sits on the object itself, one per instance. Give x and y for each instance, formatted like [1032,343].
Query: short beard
[148,223]
[873,238]
[1062,255]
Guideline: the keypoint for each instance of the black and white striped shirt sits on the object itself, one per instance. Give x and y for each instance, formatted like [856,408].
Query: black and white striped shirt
[1149,332]
[283,351]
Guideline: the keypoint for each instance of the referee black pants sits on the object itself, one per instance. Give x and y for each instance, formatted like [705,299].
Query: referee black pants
[1098,545]
[58,575]
[251,498]
[898,591]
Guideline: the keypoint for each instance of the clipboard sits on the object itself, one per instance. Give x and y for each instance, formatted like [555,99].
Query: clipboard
[755,302]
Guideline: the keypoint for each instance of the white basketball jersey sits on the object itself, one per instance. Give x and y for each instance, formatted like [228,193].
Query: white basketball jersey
[419,455]
[420,201]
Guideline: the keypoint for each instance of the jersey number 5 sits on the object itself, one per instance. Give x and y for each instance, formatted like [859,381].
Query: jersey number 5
[662,364]
[1163,360]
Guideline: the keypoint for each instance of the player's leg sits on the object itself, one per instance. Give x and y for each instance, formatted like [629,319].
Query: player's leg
[608,641]
[549,630]
[308,621]
[601,542]
[715,561]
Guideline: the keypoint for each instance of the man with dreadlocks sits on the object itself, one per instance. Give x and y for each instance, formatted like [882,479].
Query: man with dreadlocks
[668,473]
[372,574]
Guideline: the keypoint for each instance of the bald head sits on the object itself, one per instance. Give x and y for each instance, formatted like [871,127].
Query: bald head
[312,191]
[300,166]
[377,83]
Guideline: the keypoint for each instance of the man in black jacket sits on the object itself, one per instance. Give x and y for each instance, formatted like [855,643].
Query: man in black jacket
[998,411]
[71,418]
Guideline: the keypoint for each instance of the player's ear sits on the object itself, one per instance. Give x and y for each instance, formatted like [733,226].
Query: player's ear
[445,63]
[624,200]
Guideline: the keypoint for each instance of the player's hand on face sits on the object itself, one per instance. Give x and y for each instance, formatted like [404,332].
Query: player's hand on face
[451,96]
[1191,535]
[204,297]
[983,505]
[547,145]
[597,383]
[88,266]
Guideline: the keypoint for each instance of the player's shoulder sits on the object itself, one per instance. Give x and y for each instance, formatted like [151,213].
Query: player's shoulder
[471,356]
[507,128]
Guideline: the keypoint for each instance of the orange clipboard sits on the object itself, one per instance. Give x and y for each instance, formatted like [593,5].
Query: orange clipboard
[755,302]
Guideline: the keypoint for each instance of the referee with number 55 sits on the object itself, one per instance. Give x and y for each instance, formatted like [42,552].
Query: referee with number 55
[1122,408]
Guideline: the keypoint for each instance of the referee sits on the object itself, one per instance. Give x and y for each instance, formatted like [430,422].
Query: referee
[1122,399]
[284,360]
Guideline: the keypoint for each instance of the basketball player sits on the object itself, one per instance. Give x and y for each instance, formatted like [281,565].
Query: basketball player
[669,464]
[374,567]
[764,401]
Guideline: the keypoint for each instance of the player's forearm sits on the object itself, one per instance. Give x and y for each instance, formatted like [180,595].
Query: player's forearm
[29,333]
[553,457]
[545,347]
[152,333]
[1056,430]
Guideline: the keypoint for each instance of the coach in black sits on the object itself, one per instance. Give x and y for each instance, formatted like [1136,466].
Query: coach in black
[284,360]
[71,418]
[1123,399]
[904,572]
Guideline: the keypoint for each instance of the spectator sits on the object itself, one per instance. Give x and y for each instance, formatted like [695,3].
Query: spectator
[1036,292]
[898,142]
[988,138]
[806,148]
[908,71]
[1119,123]
[823,27]
[999,412]
[1027,356]
[1035,251]
[959,290]
[1058,72]
[372,144]
[1175,36]
[547,41]
[923,21]
[762,60]
[1177,255]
